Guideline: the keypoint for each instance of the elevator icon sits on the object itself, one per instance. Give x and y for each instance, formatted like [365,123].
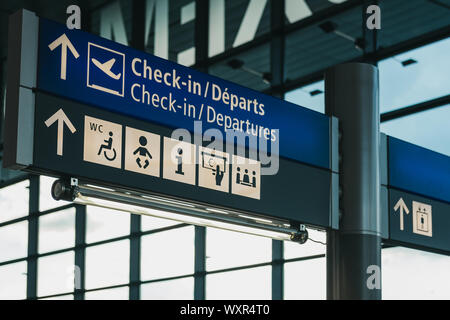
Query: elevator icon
[422,219]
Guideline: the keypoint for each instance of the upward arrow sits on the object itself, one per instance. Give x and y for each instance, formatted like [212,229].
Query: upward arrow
[403,208]
[65,43]
[61,117]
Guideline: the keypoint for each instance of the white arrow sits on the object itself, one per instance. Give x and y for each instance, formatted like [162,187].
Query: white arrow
[61,117]
[65,43]
[403,208]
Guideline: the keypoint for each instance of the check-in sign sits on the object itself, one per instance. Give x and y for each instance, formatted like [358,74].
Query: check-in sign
[92,70]
[85,107]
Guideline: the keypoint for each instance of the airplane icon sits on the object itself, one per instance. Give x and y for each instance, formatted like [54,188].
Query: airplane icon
[111,79]
[106,67]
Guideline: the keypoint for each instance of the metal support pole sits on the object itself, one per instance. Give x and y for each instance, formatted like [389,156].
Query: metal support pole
[354,251]
[200,263]
[277,44]
[201,56]
[137,42]
[33,237]
[80,252]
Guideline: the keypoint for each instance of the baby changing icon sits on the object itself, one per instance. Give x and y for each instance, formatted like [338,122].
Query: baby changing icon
[142,152]
[105,70]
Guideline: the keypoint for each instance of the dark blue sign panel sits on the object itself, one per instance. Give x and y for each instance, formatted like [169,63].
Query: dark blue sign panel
[418,170]
[95,71]
[108,149]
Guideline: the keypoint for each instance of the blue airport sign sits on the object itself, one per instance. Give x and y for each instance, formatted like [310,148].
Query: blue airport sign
[418,196]
[89,69]
[80,106]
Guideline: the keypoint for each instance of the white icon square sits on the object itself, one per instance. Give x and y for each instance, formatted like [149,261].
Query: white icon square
[102,142]
[105,70]
[142,152]
[246,177]
[214,169]
[179,159]
[422,219]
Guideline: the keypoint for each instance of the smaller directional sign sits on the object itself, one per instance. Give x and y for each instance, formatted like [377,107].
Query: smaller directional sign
[419,199]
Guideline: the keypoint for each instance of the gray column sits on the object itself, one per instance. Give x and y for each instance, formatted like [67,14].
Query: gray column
[33,238]
[137,42]
[201,57]
[354,251]
[277,45]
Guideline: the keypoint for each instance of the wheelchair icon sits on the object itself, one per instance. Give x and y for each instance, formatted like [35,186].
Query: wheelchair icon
[108,146]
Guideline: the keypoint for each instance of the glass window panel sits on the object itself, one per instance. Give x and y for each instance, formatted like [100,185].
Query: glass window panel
[425,80]
[429,129]
[107,264]
[168,253]
[121,293]
[13,241]
[64,297]
[310,50]
[310,248]
[179,289]
[414,275]
[235,23]
[246,284]
[226,249]
[57,230]
[181,35]
[311,96]
[150,223]
[245,20]
[403,20]
[256,64]
[55,274]
[305,280]
[113,21]
[14,201]
[105,224]
[13,280]
[46,200]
